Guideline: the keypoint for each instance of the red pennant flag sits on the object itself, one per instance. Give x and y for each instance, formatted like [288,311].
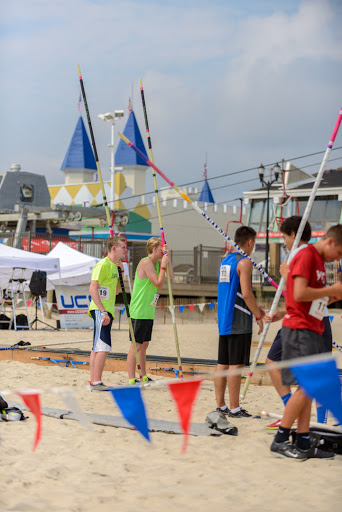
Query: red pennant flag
[191,307]
[184,394]
[31,399]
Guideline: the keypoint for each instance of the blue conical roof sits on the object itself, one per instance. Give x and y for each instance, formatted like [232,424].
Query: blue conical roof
[206,195]
[124,154]
[80,154]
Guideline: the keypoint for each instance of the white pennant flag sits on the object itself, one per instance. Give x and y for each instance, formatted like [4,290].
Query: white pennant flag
[70,401]
[201,306]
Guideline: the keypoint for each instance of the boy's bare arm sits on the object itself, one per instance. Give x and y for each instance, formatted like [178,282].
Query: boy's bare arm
[150,272]
[304,293]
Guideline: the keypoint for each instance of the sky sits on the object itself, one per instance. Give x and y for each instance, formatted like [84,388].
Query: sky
[245,81]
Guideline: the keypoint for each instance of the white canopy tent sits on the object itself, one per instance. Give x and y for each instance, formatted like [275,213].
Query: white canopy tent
[76,267]
[18,264]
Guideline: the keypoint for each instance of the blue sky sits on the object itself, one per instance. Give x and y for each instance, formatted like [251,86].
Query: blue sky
[245,81]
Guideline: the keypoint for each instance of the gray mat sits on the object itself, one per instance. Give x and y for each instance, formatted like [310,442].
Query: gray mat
[168,427]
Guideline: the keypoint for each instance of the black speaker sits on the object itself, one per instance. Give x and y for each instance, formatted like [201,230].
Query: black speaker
[38,283]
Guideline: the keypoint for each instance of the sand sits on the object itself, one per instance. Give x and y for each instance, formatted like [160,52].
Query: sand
[109,469]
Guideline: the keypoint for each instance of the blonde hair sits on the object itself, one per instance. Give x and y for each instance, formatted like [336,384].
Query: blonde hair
[113,241]
[152,243]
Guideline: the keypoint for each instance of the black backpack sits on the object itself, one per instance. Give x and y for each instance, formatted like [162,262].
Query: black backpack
[3,403]
[325,439]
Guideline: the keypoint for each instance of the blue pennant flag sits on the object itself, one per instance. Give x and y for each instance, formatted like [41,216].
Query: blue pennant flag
[331,318]
[132,407]
[211,305]
[122,310]
[181,308]
[322,382]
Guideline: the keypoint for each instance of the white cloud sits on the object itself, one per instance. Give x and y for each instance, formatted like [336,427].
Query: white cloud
[242,87]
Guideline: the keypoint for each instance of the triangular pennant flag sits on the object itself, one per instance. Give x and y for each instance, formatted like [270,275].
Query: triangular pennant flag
[70,401]
[170,309]
[122,311]
[322,382]
[29,302]
[191,307]
[211,305]
[132,407]
[331,318]
[31,399]
[49,305]
[184,394]
[181,308]
[201,306]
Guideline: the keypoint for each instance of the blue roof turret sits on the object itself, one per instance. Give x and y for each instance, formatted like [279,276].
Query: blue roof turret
[124,154]
[80,154]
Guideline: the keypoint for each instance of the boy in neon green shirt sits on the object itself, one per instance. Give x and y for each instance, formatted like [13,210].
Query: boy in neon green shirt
[104,287]
[149,278]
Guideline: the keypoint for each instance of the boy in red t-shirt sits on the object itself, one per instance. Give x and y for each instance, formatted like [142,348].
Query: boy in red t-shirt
[306,299]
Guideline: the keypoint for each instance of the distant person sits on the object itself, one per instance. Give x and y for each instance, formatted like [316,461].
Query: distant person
[149,278]
[236,307]
[104,287]
[306,295]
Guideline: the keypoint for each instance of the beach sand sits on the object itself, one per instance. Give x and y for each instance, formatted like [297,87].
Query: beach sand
[109,469]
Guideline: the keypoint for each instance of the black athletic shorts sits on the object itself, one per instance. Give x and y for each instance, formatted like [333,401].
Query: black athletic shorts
[234,349]
[142,330]
[298,343]
[276,349]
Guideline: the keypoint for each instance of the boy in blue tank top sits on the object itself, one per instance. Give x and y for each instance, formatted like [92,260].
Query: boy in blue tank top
[236,305]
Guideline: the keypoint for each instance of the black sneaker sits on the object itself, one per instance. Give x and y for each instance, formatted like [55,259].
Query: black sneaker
[317,453]
[225,411]
[286,449]
[242,413]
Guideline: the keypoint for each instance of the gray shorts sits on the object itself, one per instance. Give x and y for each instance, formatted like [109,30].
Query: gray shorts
[298,343]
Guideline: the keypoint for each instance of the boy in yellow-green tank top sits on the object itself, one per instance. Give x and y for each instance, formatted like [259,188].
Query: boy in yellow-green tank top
[149,278]
[104,287]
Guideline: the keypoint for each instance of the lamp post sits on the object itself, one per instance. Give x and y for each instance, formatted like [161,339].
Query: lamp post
[111,117]
[276,169]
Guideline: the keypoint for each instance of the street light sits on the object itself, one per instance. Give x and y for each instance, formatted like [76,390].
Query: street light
[111,117]
[276,169]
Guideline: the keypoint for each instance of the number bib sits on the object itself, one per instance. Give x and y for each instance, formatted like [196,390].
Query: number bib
[155,300]
[225,274]
[104,292]
[318,307]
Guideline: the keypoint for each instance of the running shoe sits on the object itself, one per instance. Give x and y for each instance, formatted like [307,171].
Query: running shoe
[242,413]
[274,426]
[98,387]
[286,449]
[147,379]
[225,411]
[133,382]
[317,453]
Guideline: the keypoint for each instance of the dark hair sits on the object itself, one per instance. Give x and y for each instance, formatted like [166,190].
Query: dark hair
[243,234]
[334,232]
[291,224]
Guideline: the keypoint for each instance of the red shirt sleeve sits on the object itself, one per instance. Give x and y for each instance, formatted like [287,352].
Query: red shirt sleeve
[302,265]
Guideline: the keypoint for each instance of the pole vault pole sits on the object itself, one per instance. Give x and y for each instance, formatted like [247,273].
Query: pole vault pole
[111,232]
[161,230]
[197,209]
[304,220]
